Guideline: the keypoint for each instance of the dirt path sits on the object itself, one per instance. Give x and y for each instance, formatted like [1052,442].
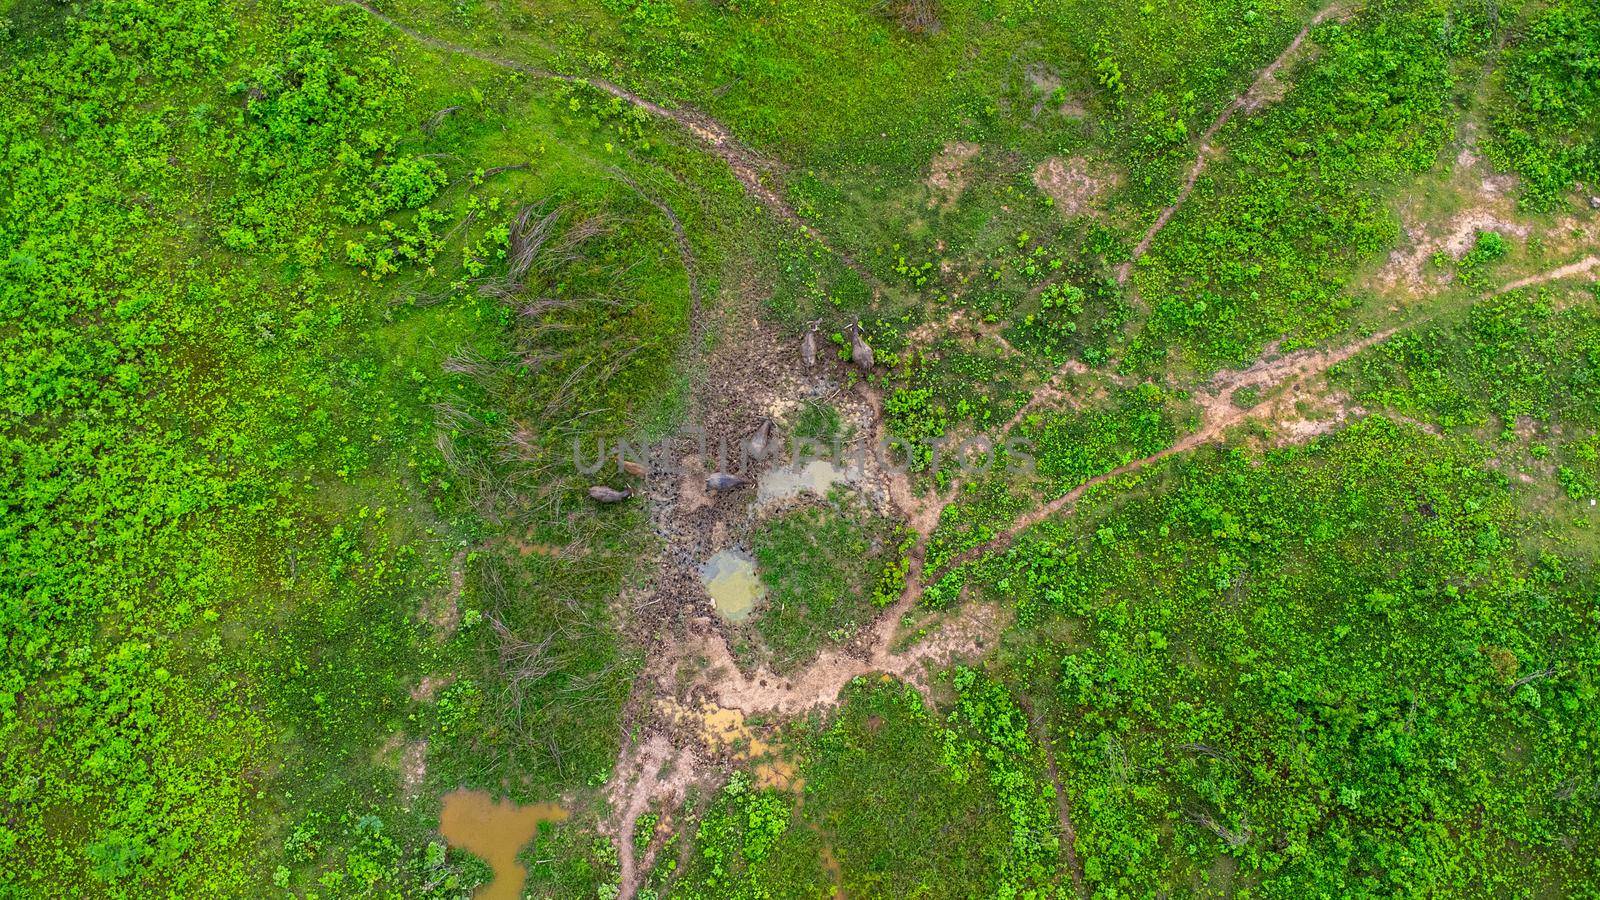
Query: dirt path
[1581,267]
[704,663]
[1263,91]
[764,692]
[1290,371]
[1050,390]
[652,770]
[1069,834]
[1219,413]
[750,168]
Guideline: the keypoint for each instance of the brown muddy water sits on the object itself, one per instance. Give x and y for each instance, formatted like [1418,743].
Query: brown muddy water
[725,731]
[495,830]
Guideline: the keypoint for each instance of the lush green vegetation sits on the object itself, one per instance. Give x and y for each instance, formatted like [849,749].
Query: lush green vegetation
[1338,669]
[301,314]
[821,565]
[904,803]
[1548,131]
[262,360]
[1266,247]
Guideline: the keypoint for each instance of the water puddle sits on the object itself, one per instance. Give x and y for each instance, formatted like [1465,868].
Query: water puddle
[815,477]
[730,579]
[724,730]
[495,830]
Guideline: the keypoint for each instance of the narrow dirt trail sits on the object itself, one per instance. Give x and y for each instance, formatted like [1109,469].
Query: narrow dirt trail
[1069,832]
[1051,390]
[1290,371]
[749,168]
[977,626]
[818,684]
[1063,804]
[1259,94]
[1219,414]
[1581,267]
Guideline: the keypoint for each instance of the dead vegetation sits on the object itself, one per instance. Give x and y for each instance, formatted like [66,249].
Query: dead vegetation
[918,17]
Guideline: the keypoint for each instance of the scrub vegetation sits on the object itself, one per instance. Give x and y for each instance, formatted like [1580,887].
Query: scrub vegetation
[1223,519]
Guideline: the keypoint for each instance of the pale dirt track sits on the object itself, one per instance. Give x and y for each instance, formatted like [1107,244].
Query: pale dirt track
[1261,92]
[751,169]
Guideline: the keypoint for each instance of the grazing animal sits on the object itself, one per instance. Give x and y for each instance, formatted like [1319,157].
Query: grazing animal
[860,352]
[634,467]
[724,481]
[760,440]
[808,346]
[602,494]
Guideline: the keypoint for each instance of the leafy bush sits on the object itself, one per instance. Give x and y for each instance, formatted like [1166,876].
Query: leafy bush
[1547,129]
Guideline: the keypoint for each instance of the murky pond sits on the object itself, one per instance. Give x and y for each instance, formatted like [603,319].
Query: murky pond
[815,477]
[495,830]
[730,579]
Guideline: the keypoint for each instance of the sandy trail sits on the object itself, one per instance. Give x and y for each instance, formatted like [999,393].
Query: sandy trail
[704,660]
[763,692]
[649,771]
[1581,267]
[1219,413]
[750,168]
[1264,90]
[1069,833]
[1261,92]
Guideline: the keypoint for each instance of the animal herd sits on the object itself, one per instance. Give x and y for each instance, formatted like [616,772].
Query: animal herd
[760,439]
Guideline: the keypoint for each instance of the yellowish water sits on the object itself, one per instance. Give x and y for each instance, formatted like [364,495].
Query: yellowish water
[815,477]
[724,730]
[495,830]
[730,578]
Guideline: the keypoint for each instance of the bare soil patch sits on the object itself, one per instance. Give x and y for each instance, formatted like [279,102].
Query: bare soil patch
[1075,184]
[1410,272]
[946,176]
[430,686]
[412,759]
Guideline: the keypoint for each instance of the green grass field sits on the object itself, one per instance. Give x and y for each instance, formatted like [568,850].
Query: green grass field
[1285,584]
